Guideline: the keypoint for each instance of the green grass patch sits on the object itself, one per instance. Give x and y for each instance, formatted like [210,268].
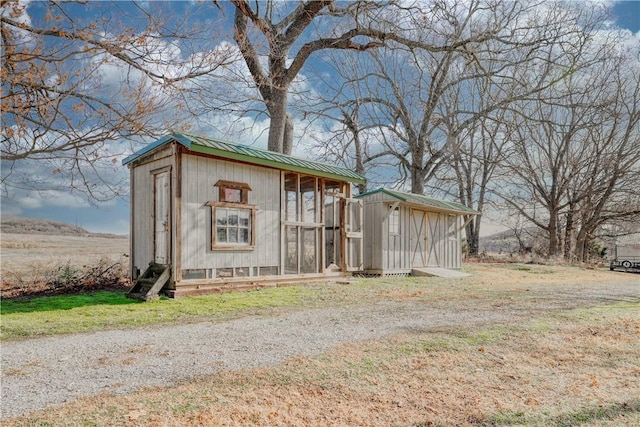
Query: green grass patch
[629,412]
[507,418]
[590,313]
[430,345]
[63,302]
[540,326]
[66,314]
[482,337]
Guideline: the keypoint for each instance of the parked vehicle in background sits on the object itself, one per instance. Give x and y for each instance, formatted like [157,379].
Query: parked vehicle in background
[627,254]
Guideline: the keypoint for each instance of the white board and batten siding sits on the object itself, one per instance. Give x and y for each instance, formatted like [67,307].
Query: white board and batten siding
[424,238]
[143,181]
[199,176]
[444,240]
[383,249]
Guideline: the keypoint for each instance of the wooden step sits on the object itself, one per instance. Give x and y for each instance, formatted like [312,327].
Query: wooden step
[149,285]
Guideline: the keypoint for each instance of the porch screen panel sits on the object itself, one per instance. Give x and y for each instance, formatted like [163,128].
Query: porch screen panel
[302,223]
[291,197]
[309,251]
[308,195]
[291,250]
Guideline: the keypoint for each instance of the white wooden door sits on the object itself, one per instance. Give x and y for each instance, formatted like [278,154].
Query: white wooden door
[353,210]
[418,238]
[162,219]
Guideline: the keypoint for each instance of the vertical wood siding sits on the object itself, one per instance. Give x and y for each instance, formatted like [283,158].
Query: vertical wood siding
[200,174]
[388,252]
[397,246]
[142,206]
[372,234]
[384,250]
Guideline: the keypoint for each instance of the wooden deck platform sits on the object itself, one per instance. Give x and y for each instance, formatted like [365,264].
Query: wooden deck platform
[438,272]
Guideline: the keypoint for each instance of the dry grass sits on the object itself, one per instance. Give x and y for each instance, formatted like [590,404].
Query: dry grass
[20,252]
[575,367]
[30,261]
[579,367]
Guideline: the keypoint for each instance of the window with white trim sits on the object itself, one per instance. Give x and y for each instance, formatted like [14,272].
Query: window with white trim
[394,221]
[232,218]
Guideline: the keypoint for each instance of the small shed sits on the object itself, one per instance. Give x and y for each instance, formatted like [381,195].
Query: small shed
[209,215]
[404,232]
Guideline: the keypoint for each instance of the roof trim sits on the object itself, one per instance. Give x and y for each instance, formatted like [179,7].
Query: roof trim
[424,201]
[243,153]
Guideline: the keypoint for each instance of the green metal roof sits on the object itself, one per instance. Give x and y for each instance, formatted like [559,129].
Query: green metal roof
[227,150]
[440,205]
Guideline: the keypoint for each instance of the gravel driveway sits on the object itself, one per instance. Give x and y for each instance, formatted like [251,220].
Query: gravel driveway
[39,373]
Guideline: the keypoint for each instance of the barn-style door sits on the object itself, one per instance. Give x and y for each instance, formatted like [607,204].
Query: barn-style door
[418,238]
[435,254]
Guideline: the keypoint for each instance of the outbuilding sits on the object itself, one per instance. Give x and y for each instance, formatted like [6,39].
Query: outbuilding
[209,215]
[411,234]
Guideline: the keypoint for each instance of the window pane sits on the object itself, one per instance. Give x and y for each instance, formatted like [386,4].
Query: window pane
[394,222]
[243,217]
[243,235]
[221,216]
[233,217]
[233,235]
[221,235]
[233,195]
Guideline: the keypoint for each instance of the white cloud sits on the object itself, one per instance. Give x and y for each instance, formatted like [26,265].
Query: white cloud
[29,202]
[18,12]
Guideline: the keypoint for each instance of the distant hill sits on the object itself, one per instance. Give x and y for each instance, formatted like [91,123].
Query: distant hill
[22,225]
[507,241]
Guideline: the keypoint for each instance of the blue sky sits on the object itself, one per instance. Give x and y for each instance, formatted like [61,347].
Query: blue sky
[114,216]
[627,14]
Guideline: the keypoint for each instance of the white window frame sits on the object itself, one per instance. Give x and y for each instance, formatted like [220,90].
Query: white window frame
[215,207]
[394,220]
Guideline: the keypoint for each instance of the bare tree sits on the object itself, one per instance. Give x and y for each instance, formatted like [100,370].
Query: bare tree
[444,102]
[86,75]
[610,184]
[473,166]
[575,156]
[280,30]
[421,90]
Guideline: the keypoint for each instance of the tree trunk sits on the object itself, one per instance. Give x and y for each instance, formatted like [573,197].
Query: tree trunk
[417,180]
[277,106]
[362,188]
[473,237]
[582,243]
[553,234]
[416,170]
[568,234]
[287,140]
